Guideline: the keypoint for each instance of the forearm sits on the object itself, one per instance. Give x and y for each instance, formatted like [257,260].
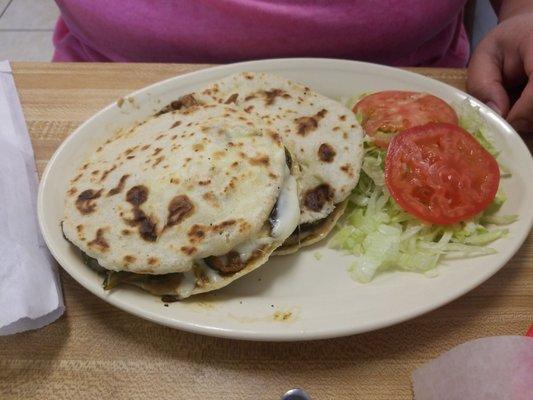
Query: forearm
[509,8]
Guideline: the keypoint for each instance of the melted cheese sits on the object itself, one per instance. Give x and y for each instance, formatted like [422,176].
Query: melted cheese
[287,209]
[212,275]
[247,248]
[187,285]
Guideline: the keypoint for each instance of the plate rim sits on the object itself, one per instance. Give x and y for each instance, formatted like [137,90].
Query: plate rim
[245,333]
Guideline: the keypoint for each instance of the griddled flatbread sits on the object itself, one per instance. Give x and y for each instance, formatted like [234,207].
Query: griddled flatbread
[323,135]
[180,203]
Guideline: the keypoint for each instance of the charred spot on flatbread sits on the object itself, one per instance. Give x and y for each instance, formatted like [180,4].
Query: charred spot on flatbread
[259,160]
[147,227]
[137,195]
[232,99]
[179,208]
[315,198]
[188,250]
[183,102]
[85,202]
[79,231]
[326,153]
[157,161]
[198,147]
[244,226]
[211,198]
[276,137]
[309,123]
[271,95]
[128,259]
[220,227]
[153,261]
[129,151]
[120,186]
[99,241]
[347,169]
[196,234]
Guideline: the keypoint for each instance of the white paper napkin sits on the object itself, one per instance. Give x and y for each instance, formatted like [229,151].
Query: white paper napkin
[493,368]
[30,293]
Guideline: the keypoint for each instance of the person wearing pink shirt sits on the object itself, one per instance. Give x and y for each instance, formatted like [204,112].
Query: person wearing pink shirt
[398,33]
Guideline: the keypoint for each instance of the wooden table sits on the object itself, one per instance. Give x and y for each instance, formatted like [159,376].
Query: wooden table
[97,351]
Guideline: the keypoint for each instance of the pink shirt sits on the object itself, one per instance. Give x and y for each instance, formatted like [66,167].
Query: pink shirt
[407,32]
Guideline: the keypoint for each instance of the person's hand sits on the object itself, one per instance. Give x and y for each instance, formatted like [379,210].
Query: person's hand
[503,63]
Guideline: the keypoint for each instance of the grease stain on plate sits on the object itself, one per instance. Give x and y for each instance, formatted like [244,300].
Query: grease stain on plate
[123,101]
[280,316]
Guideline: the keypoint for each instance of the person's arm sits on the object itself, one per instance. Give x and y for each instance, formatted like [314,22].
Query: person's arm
[508,8]
[503,62]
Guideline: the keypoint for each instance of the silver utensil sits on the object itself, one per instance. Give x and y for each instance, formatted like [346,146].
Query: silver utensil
[296,394]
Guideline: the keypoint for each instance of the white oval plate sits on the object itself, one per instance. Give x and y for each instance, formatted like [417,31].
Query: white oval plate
[293,297]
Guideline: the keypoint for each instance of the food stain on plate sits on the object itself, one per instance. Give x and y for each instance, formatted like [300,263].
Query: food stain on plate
[282,316]
[287,315]
[128,100]
[202,303]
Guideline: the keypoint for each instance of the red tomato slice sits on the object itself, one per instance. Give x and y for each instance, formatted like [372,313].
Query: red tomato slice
[439,173]
[387,113]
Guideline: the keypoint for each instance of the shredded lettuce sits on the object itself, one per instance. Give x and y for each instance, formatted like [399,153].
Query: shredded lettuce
[470,119]
[383,237]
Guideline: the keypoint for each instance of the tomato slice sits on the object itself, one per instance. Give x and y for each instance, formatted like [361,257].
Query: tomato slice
[439,173]
[389,112]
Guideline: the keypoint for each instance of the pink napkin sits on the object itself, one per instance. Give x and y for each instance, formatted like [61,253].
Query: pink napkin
[493,368]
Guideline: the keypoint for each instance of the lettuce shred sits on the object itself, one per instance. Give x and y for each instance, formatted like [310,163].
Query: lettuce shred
[383,237]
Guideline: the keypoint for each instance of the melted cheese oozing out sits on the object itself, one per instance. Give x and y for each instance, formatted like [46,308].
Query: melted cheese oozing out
[210,273]
[287,218]
[287,209]
[187,285]
[247,248]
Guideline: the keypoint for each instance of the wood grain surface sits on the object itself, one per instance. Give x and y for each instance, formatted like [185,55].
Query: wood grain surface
[96,351]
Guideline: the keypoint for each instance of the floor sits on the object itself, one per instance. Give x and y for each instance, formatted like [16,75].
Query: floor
[26,28]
